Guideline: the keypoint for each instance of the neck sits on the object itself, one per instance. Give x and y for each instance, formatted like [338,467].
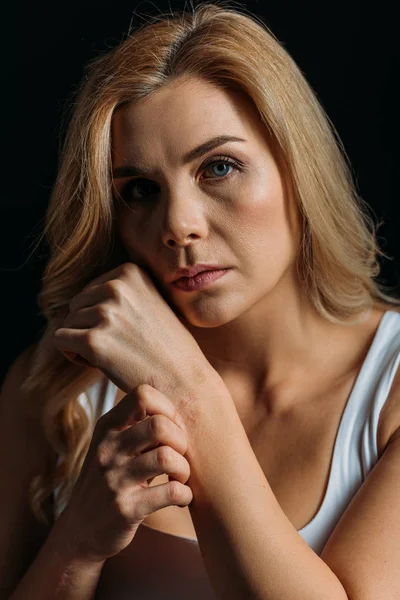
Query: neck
[277,345]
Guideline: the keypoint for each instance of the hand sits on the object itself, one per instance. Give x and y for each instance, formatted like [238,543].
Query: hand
[112,495]
[120,324]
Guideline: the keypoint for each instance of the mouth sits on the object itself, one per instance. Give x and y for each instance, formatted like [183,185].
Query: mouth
[199,281]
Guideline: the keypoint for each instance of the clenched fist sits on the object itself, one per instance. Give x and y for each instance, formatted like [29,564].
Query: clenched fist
[134,442]
[120,324]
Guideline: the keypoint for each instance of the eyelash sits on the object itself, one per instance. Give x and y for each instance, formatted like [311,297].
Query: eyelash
[236,164]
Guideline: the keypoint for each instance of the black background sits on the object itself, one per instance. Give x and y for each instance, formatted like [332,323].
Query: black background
[348,52]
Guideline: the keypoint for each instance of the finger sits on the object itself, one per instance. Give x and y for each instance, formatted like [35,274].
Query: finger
[113,274]
[76,358]
[87,318]
[70,343]
[89,297]
[160,496]
[142,401]
[162,460]
[157,429]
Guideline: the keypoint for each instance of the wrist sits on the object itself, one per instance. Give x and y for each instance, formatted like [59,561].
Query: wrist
[68,547]
[206,405]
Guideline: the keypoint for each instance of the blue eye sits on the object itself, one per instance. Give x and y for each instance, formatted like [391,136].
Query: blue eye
[152,188]
[218,164]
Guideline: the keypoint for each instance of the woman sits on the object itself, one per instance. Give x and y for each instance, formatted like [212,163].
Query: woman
[204,436]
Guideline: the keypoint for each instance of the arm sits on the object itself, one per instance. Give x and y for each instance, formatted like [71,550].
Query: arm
[57,574]
[34,561]
[249,547]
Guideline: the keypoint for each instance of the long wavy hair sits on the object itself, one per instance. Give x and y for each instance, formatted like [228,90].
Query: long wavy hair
[226,46]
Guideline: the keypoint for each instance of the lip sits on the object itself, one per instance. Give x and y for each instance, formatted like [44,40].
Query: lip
[193,271]
[199,281]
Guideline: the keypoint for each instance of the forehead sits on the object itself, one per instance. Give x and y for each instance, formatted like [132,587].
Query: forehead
[180,116]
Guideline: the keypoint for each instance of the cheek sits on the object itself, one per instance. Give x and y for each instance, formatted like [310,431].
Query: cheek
[131,243]
[264,226]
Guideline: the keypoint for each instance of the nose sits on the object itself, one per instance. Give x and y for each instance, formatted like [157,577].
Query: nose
[184,222]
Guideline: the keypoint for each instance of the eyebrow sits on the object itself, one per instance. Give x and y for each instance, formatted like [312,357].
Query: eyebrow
[130,170]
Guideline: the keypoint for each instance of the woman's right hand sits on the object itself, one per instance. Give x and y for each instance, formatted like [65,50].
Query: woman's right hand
[134,442]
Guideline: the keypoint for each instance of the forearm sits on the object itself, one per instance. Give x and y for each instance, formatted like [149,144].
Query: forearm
[249,547]
[58,575]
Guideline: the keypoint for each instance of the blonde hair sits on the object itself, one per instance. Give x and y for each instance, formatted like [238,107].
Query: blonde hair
[338,256]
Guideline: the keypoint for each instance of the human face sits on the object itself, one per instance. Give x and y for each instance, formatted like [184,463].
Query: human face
[233,213]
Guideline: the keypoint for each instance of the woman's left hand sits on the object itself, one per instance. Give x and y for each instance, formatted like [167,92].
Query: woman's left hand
[119,323]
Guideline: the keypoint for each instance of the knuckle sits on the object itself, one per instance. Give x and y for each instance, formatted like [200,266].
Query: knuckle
[119,460]
[165,457]
[158,426]
[104,312]
[112,478]
[90,340]
[142,390]
[103,453]
[94,345]
[120,505]
[115,288]
[128,268]
[140,405]
[175,491]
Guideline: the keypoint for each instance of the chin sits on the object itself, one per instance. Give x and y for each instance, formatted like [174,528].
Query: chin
[209,320]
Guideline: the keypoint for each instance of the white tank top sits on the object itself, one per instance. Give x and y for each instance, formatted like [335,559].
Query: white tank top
[177,569]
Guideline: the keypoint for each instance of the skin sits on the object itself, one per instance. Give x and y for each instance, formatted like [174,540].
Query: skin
[253,325]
